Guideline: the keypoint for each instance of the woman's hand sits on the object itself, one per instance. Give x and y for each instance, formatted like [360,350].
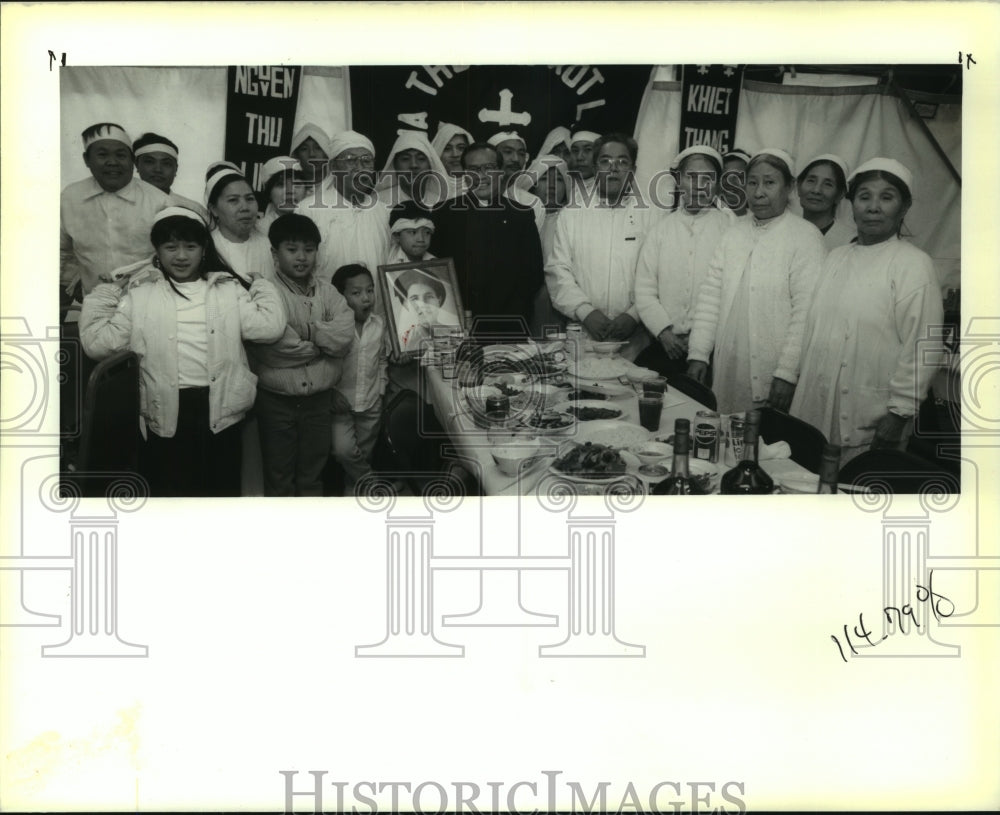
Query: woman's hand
[780,397]
[888,431]
[675,347]
[698,371]
[597,324]
[621,327]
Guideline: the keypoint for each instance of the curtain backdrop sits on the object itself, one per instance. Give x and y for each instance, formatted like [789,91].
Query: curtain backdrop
[856,123]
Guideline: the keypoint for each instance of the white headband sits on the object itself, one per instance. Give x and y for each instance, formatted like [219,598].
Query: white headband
[112,132]
[889,165]
[584,135]
[157,147]
[697,150]
[183,212]
[279,164]
[410,223]
[777,153]
[740,154]
[216,177]
[830,157]
[508,135]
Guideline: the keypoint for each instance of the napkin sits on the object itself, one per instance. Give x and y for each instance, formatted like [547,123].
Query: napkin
[779,449]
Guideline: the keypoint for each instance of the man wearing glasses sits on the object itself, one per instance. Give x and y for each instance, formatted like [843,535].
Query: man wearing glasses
[591,272]
[353,224]
[494,243]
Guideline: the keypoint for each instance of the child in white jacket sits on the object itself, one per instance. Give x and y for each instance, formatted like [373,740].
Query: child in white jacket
[186,316]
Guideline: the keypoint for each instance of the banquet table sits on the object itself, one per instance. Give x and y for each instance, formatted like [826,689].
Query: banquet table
[472,447]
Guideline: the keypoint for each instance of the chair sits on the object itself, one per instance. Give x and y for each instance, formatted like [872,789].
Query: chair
[693,388]
[806,441]
[898,472]
[409,441]
[110,438]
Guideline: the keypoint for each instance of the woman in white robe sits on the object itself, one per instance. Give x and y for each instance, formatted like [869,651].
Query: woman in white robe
[751,308]
[862,379]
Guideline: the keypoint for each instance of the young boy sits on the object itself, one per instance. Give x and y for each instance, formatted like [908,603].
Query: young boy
[358,396]
[296,375]
[410,228]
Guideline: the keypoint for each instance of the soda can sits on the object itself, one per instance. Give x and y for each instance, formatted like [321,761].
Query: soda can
[734,439]
[707,429]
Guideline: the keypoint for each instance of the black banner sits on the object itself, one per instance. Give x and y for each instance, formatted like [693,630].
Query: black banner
[260,114]
[710,100]
[485,99]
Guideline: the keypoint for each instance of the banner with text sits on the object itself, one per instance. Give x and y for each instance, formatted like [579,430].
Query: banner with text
[260,113]
[710,100]
[485,99]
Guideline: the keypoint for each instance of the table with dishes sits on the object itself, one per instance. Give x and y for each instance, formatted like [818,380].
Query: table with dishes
[535,409]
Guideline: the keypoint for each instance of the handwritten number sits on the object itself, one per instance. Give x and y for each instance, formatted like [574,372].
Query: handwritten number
[926,593]
[864,632]
[969,61]
[832,637]
[52,58]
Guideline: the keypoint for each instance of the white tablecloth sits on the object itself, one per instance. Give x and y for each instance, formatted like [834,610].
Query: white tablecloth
[472,448]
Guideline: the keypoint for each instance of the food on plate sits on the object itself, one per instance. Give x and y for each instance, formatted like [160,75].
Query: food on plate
[591,460]
[599,367]
[584,393]
[613,432]
[589,414]
[548,420]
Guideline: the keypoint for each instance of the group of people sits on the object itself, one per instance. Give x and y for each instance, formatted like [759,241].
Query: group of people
[265,313]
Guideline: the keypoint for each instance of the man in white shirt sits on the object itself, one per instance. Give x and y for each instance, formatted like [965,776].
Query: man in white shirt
[675,256]
[591,272]
[105,220]
[512,153]
[353,223]
[156,161]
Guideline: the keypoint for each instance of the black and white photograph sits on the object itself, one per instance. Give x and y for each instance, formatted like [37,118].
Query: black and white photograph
[385,332]
[420,295]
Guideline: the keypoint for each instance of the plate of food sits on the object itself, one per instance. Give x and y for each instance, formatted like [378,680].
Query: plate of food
[606,349]
[590,410]
[600,390]
[548,422]
[598,368]
[589,462]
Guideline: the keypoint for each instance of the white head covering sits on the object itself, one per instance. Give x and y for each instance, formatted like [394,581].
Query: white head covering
[278,164]
[216,177]
[740,154]
[415,140]
[540,166]
[314,132]
[184,212]
[156,147]
[505,135]
[889,165]
[778,153]
[350,140]
[584,135]
[110,131]
[697,150]
[558,135]
[215,166]
[445,133]
[832,159]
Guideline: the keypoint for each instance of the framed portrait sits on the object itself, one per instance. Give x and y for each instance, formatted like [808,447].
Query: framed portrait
[419,296]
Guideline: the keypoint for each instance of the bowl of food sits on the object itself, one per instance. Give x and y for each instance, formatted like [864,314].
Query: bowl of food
[705,474]
[549,422]
[652,452]
[606,349]
[512,456]
[542,396]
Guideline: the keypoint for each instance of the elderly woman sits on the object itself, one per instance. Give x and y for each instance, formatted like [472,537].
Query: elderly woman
[233,206]
[821,187]
[674,258]
[751,308]
[862,382]
[414,172]
[449,143]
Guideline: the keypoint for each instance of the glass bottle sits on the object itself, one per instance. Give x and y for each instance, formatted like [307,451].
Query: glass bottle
[680,482]
[829,470]
[747,477]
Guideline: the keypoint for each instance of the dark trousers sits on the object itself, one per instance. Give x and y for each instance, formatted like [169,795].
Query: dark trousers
[656,359]
[195,462]
[296,433]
